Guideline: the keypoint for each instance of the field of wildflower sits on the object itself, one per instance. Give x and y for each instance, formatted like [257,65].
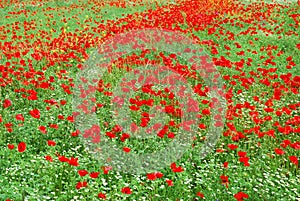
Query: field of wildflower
[247,148]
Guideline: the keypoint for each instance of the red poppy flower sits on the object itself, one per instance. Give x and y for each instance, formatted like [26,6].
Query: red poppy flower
[102,196]
[63,159]
[106,169]
[202,126]
[8,125]
[43,129]
[70,119]
[124,137]
[19,117]
[171,135]
[169,182]
[279,151]
[73,161]
[295,145]
[11,146]
[55,126]
[176,169]
[75,133]
[21,146]
[151,176]
[285,143]
[224,180]
[94,175]
[63,102]
[294,159]
[7,103]
[110,135]
[242,153]
[206,111]
[240,196]
[117,129]
[244,159]
[126,190]
[199,194]
[126,149]
[49,158]
[51,143]
[61,117]
[35,113]
[159,174]
[81,185]
[173,165]
[232,146]
[82,173]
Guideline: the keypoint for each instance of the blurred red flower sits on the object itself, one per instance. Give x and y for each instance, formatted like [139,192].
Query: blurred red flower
[151,176]
[232,146]
[225,164]
[49,158]
[73,161]
[279,151]
[43,129]
[102,196]
[21,146]
[19,117]
[159,174]
[81,185]
[35,113]
[126,149]
[294,159]
[11,146]
[240,196]
[94,175]
[126,190]
[82,173]
[7,103]
[176,169]
[224,180]
[51,143]
[199,194]
[169,182]
[63,159]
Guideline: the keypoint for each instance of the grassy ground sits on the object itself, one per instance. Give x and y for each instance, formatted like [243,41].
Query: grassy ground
[269,138]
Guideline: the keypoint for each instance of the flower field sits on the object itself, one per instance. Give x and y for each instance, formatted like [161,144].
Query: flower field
[245,148]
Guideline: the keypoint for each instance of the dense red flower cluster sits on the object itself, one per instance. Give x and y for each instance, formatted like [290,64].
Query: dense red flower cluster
[29,57]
